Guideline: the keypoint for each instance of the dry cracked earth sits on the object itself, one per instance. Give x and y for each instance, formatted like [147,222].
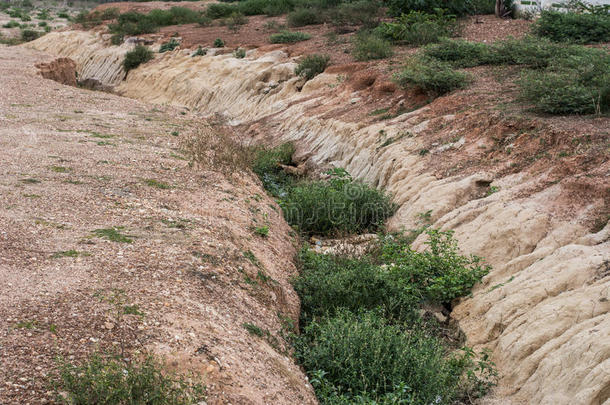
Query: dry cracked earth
[73,161]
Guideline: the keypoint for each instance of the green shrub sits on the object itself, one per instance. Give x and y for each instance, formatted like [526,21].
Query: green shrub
[63,15]
[117,39]
[577,84]
[169,46]
[219,10]
[266,165]
[304,16]
[455,7]
[200,52]
[11,24]
[432,76]
[278,7]
[339,205]
[219,43]
[581,28]
[419,28]
[134,23]
[407,278]
[239,53]
[110,381]
[30,35]
[312,65]
[482,7]
[368,46]
[363,12]
[459,53]
[134,58]
[286,37]
[363,359]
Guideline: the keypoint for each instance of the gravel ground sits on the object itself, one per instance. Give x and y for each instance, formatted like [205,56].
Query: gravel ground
[73,161]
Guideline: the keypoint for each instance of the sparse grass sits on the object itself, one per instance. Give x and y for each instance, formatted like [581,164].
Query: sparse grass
[30,324]
[287,37]
[253,329]
[169,45]
[157,184]
[68,253]
[113,234]
[267,166]
[61,169]
[30,181]
[108,380]
[262,231]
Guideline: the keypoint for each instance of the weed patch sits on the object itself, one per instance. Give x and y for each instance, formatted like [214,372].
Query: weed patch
[287,37]
[312,65]
[113,234]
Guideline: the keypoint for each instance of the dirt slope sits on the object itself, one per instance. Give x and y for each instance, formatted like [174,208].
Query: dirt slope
[73,161]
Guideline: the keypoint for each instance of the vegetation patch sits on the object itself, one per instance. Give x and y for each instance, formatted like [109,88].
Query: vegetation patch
[107,380]
[287,37]
[134,58]
[312,65]
[369,46]
[419,28]
[581,28]
[113,234]
[169,45]
[432,76]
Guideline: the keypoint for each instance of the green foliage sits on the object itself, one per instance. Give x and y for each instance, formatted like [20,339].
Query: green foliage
[157,184]
[235,20]
[262,231]
[266,165]
[581,28]
[338,205]
[286,37]
[368,46]
[303,16]
[483,6]
[455,7]
[312,65]
[419,28]
[134,23]
[219,10]
[200,52]
[362,12]
[407,278]
[11,24]
[431,75]
[169,46]
[254,329]
[361,358]
[111,381]
[113,234]
[134,58]
[239,53]
[30,35]
[459,52]
[219,43]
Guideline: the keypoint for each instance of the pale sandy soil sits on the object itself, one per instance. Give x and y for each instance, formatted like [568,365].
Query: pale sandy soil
[73,161]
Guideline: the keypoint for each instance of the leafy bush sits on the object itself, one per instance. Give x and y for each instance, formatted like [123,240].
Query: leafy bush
[200,52]
[219,43]
[312,65]
[134,23]
[337,205]
[278,7]
[368,46]
[239,53]
[285,37]
[11,24]
[169,46]
[419,28]
[363,359]
[134,58]
[235,20]
[407,278]
[581,28]
[362,12]
[455,7]
[303,16]
[432,76]
[110,381]
[219,10]
[459,53]
[578,84]
[266,165]
[30,35]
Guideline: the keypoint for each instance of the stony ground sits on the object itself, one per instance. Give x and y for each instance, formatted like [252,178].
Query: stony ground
[187,269]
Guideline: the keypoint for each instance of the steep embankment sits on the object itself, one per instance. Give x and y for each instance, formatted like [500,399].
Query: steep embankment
[529,195]
[100,213]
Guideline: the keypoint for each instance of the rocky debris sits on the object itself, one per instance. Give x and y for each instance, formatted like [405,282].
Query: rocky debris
[94,84]
[61,70]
